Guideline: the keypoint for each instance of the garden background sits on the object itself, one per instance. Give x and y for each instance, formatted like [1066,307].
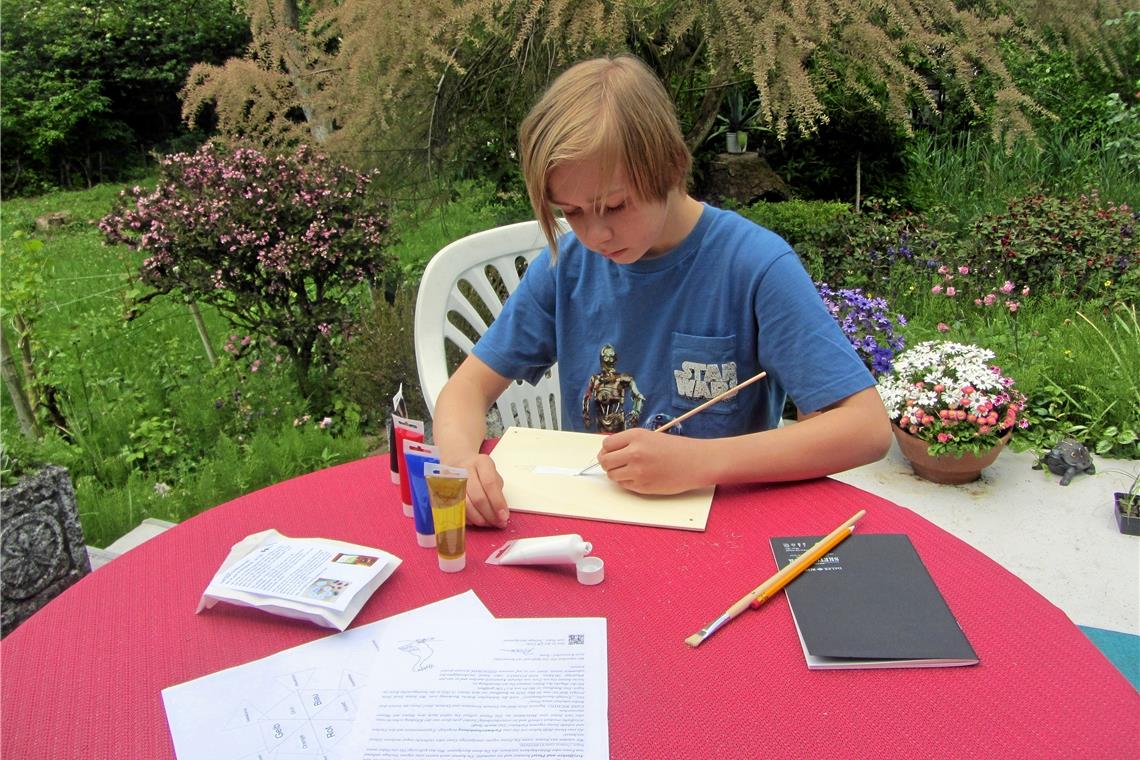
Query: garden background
[183,324]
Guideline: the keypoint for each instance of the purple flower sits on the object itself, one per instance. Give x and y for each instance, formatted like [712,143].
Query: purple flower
[866,323]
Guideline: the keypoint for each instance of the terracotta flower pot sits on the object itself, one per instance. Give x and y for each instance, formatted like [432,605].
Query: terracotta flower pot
[945,468]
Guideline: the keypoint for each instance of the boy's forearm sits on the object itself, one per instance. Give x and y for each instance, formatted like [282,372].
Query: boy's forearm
[458,431]
[849,435]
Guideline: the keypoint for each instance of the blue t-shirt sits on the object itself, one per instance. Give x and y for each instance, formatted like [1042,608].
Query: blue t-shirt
[667,333]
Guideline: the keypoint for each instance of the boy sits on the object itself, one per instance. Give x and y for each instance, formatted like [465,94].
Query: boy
[653,303]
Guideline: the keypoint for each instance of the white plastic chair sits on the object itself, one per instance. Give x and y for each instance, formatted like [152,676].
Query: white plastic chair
[488,262]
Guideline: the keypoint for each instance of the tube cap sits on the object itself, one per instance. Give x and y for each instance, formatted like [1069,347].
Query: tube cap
[426,540]
[452,565]
[395,475]
[591,571]
[408,511]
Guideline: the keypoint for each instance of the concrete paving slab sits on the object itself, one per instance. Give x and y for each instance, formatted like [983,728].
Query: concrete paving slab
[1061,540]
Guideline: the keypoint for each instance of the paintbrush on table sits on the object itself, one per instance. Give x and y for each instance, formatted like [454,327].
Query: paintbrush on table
[768,588]
[697,410]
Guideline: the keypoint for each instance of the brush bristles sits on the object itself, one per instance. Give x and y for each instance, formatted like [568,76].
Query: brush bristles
[695,639]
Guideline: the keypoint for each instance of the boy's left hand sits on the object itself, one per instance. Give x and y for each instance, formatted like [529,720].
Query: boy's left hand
[647,462]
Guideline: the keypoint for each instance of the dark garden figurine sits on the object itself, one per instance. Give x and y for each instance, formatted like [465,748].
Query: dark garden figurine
[1066,459]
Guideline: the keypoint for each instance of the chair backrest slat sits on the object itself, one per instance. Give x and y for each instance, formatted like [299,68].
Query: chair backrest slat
[455,298]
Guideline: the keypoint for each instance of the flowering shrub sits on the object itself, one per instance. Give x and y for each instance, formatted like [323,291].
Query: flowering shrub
[1083,247]
[867,323]
[881,242]
[276,243]
[951,396]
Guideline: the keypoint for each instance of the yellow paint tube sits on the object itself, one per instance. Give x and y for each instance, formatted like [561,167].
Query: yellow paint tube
[447,489]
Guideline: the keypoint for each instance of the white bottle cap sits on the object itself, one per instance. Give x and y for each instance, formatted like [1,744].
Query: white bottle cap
[453,565]
[426,540]
[408,511]
[591,571]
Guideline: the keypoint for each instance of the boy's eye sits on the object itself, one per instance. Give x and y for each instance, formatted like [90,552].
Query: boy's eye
[571,213]
[612,209]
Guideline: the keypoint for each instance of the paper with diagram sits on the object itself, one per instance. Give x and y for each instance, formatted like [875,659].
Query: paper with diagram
[539,475]
[299,703]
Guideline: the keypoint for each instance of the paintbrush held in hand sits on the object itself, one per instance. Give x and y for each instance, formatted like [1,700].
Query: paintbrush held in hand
[697,410]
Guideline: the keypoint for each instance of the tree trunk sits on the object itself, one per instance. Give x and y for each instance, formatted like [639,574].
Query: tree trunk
[16,390]
[320,125]
[710,106]
[24,345]
[200,325]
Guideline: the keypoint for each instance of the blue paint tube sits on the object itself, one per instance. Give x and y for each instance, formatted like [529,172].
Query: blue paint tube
[416,455]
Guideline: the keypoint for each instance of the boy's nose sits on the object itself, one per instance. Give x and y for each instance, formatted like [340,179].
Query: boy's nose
[598,232]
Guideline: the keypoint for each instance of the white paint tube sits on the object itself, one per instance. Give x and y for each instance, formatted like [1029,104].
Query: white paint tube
[542,550]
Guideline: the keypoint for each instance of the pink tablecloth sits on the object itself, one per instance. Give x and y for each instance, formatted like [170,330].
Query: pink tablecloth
[82,678]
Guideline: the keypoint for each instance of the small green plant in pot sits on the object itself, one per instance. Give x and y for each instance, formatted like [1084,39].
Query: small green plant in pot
[1127,508]
[734,120]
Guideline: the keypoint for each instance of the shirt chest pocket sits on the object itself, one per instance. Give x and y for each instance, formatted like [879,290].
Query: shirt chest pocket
[703,367]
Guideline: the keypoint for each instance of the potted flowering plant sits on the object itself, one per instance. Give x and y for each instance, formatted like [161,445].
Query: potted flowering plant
[868,324]
[952,407]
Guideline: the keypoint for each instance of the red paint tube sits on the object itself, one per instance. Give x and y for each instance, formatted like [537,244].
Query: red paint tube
[406,430]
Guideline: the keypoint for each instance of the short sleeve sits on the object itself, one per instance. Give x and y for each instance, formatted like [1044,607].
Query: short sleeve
[521,342]
[800,344]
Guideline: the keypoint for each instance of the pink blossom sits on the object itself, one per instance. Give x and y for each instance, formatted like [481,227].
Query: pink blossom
[951,291]
[1007,287]
[1012,306]
[990,299]
[943,269]
[325,423]
[963,270]
[1025,291]
[936,289]
[943,437]
[943,327]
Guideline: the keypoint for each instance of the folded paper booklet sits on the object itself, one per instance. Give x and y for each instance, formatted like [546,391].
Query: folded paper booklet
[316,579]
[870,603]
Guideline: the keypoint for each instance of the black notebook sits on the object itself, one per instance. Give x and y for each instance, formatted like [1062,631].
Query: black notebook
[870,603]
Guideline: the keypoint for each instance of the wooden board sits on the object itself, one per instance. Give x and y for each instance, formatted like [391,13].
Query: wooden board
[537,467]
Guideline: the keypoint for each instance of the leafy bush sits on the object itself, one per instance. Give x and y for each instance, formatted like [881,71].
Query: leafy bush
[1081,247]
[88,87]
[278,245]
[380,357]
[883,247]
[810,227]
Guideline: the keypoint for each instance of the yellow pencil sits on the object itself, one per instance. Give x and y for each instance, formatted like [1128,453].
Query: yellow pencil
[768,588]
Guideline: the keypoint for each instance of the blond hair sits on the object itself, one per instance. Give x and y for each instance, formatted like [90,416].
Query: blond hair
[614,110]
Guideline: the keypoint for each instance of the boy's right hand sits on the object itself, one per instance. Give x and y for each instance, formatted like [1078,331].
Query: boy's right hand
[486,504]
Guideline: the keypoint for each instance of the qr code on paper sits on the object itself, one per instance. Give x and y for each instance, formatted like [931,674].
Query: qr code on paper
[576,638]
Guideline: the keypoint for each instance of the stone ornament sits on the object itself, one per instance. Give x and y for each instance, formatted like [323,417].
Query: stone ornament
[1068,458]
[42,550]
